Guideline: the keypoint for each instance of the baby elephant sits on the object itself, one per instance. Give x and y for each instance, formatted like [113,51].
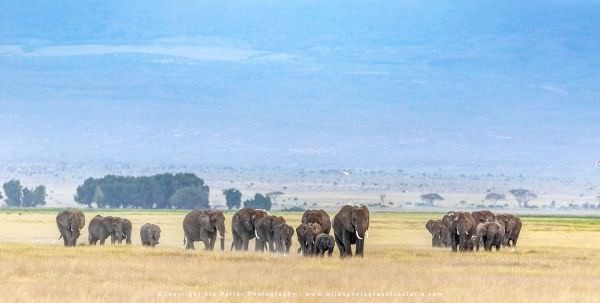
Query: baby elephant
[324,243]
[150,234]
[490,233]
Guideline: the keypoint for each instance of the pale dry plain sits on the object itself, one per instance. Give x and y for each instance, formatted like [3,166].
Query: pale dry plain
[558,260]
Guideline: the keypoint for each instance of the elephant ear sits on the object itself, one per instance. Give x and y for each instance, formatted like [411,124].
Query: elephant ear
[81,221]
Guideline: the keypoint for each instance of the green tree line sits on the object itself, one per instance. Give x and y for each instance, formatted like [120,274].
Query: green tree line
[19,196]
[182,190]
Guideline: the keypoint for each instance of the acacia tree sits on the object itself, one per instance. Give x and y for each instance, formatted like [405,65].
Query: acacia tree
[523,196]
[233,197]
[429,199]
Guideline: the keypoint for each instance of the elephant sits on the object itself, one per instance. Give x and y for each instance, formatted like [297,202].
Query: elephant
[283,238]
[243,226]
[205,226]
[325,243]
[264,232]
[69,223]
[126,228]
[307,235]
[150,234]
[102,227]
[436,229]
[512,229]
[318,216]
[483,216]
[463,228]
[490,234]
[446,227]
[350,226]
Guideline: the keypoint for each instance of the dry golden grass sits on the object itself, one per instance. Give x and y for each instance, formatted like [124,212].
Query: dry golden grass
[558,260]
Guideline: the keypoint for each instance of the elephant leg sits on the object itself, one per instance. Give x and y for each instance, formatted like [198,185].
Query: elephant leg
[271,243]
[206,240]
[347,244]
[454,242]
[360,246]
[189,243]
[245,240]
[102,241]
[213,238]
[340,245]
[514,243]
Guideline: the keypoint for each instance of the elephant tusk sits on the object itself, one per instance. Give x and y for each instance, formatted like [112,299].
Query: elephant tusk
[221,237]
[256,233]
[367,234]
[356,231]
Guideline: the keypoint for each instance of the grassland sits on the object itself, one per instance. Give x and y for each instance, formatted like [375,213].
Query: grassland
[558,260]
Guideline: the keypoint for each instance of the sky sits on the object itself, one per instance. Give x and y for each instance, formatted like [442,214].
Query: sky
[481,87]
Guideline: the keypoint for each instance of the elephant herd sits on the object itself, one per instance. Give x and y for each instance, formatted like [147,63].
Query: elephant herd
[465,231]
[270,232]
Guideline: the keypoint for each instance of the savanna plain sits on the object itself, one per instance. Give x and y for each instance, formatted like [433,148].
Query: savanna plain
[557,260]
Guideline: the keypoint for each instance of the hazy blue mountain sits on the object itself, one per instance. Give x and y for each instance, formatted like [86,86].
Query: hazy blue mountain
[510,86]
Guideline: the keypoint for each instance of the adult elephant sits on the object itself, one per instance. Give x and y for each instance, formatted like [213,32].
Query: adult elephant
[350,226]
[243,224]
[69,223]
[101,227]
[512,229]
[283,238]
[150,234]
[307,235]
[264,232]
[483,216]
[436,229]
[447,221]
[463,229]
[126,227]
[318,216]
[205,226]
[490,234]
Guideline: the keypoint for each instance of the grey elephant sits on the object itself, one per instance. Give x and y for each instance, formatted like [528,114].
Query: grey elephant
[126,227]
[318,216]
[350,226]
[264,232]
[462,230]
[512,229]
[490,234]
[447,221]
[102,227]
[324,243]
[482,216]
[205,226]
[436,229]
[283,238]
[307,235]
[243,226]
[150,234]
[70,222]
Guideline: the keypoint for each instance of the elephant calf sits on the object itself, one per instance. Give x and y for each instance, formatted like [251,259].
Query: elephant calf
[307,234]
[283,238]
[324,243]
[490,234]
[150,234]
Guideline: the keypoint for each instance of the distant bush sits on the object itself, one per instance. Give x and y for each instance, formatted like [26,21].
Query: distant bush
[259,201]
